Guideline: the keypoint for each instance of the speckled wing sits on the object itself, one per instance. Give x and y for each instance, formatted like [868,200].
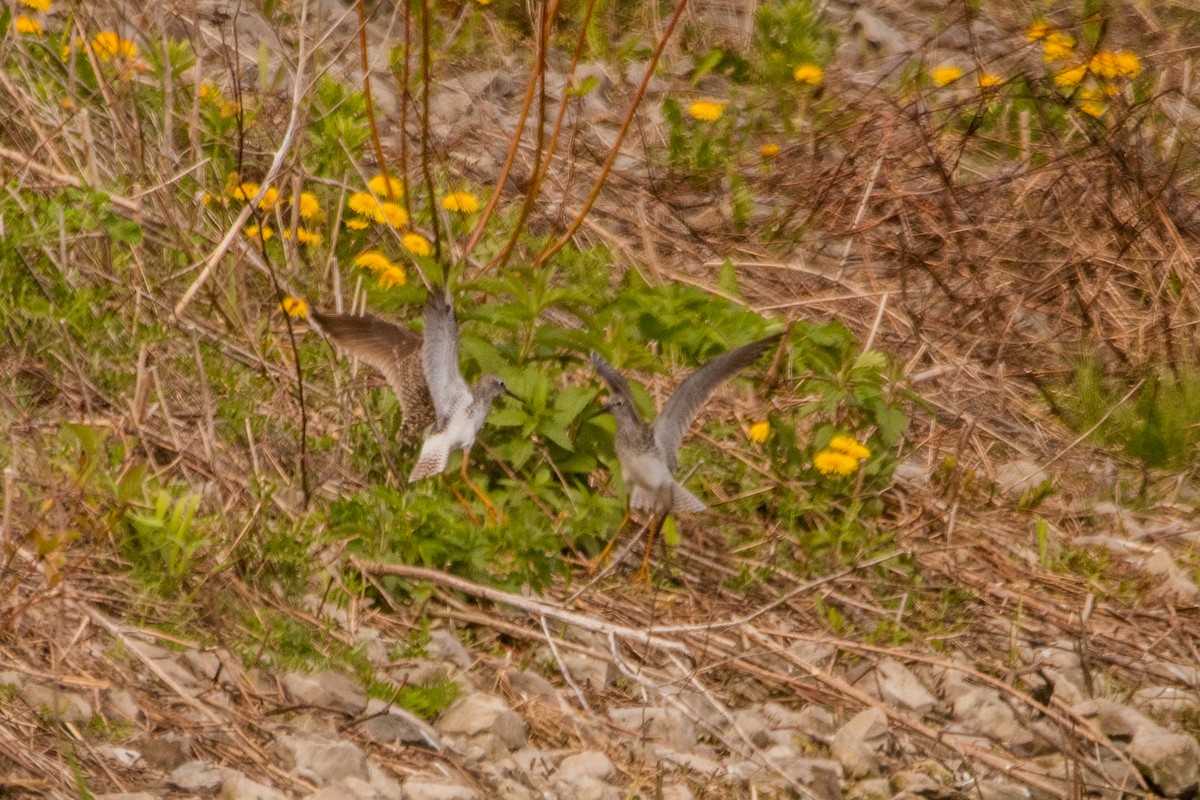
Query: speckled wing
[439,353]
[677,415]
[393,350]
[616,381]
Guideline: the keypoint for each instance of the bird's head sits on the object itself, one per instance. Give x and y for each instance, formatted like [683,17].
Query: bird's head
[492,386]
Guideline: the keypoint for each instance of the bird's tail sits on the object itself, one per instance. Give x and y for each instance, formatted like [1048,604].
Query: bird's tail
[435,452]
[684,501]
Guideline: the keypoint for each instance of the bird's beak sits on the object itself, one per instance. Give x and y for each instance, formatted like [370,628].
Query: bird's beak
[515,396]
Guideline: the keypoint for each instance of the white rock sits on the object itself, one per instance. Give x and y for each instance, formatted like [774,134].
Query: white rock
[484,713]
[444,646]
[592,763]
[431,789]
[58,704]
[388,725]
[1167,699]
[349,789]
[196,776]
[322,759]
[327,690]
[239,787]
[585,787]
[658,724]
[1170,760]
[983,710]
[120,704]
[858,744]
[1019,476]
[1113,719]
[896,685]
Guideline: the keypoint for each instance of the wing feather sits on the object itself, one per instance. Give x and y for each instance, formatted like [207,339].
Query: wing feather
[439,353]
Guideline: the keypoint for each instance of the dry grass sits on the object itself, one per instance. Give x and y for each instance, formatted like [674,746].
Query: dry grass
[984,273]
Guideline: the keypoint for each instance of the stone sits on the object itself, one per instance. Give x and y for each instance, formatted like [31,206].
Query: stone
[165,752]
[531,686]
[348,789]
[55,704]
[1000,789]
[196,776]
[1167,699]
[126,796]
[1114,720]
[479,713]
[676,791]
[816,722]
[239,787]
[203,664]
[444,646]
[12,678]
[121,704]
[588,672]
[585,787]
[328,690]
[699,763]
[590,762]
[858,744]
[820,776]
[321,759]
[388,725]
[752,724]
[657,724]
[779,716]
[381,780]
[1171,761]
[124,756]
[896,685]
[1019,476]
[871,789]
[983,711]
[419,788]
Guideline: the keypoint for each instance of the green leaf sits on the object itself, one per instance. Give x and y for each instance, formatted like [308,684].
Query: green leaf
[728,279]
[510,417]
[571,402]
[869,361]
[586,86]
[708,64]
[124,231]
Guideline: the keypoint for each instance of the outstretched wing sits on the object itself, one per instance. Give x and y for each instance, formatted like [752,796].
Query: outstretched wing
[393,350]
[681,409]
[439,353]
[616,381]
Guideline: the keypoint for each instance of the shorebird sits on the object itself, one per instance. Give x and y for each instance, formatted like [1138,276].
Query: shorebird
[423,372]
[649,452]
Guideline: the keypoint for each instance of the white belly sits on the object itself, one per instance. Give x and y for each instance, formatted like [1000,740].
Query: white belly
[647,471]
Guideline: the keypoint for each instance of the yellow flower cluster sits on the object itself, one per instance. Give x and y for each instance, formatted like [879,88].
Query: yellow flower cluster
[461,203]
[989,81]
[416,244]
[945,74]
[1056,45]
[305,237]
[256,233]
[809,73]
[706,110]
[841,457]
[309,206]
[769,150]
[1111,65]
[28,26]
[389,274]
[246,190]
[382,212]
[109,46]
[37,5]
[759,431]
[387,187]
[294,306]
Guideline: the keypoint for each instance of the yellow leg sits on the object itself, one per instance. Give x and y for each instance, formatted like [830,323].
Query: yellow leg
[655,525]
[492,512]
[462,501]
[598,560]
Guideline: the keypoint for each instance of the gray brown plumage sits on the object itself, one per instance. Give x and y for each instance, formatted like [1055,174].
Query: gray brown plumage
[649,453]
[393,350]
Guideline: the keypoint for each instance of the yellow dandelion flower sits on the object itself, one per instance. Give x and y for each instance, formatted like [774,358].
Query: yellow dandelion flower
[28,25]
[706,110]
[809,73]
[1070,78]
[850,446]
[392,276]
[269,200]
[357,224]
[769,150]
[243,191]
[229,108]
[396,216]
[67,103]
[374,261]
[416,244]
[461,203]
[759,431]
[109,46]
[989,81]
[212,200]
[294,306]
[1092,103]
[305,237]
[365,204]
[1128,64]
[309,205]
[37,5]
[1038,30]
[483,2]
[833,463]
[1057,46]
[945,74]
[252,232]
[380,185]
[210,92]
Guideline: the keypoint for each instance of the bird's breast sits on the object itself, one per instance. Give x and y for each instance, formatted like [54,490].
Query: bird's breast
[646,469]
